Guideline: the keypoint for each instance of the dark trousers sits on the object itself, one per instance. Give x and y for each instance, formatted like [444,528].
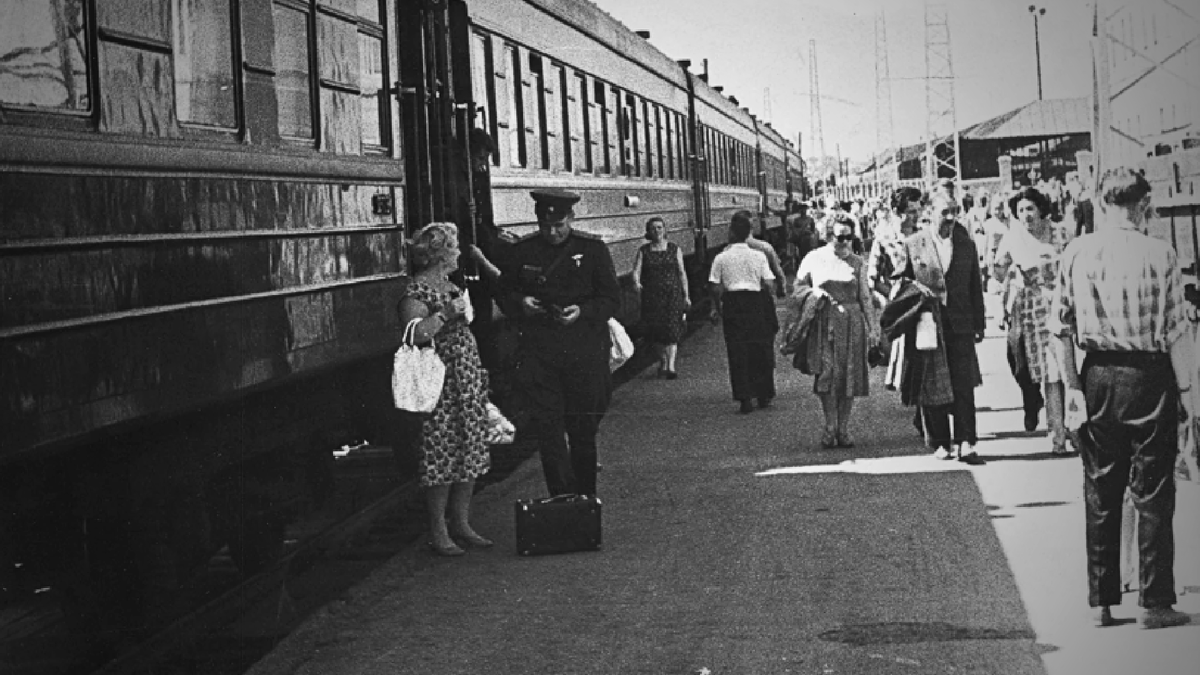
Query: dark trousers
[1031,392]
[1130,439]
[749,326]
[566,394]
[960,354]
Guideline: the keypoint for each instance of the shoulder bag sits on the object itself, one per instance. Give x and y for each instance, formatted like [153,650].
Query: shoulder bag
[417,374]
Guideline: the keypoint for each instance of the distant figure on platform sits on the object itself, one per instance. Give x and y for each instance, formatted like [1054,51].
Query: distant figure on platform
[887,257]
[762,246]
[453,448]
[846,327]
[1120,299]
[661,281]
[943,260]
[562,290]
[741,281]
[1027,262]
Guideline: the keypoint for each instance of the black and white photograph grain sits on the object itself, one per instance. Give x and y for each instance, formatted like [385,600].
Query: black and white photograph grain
[599,337]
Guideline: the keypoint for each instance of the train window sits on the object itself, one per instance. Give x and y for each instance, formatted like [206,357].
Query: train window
[556,146]
[668,131]
[648,137]
[535,114]
[613,157]
[685,166]
[482,91]
[603,131]
[516,129]
[634,149]
[573,113]
[293,77]
[372,94]
[505,110]
[203,58]
[587,122]
[625,129]
[658,141]
[44,56]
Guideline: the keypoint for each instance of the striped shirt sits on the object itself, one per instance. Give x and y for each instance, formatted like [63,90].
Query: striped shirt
[1119,290]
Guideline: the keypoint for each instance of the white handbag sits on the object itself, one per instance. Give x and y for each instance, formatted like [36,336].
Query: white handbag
[417,374]
[622,346]
[926,333]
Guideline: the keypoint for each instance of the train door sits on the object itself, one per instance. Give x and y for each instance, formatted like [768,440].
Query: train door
[433,154]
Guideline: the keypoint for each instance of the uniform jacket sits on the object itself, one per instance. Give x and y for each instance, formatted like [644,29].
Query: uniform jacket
[961,283]
[584,276]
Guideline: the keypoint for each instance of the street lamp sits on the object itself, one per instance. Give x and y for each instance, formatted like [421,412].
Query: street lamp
[1037,44]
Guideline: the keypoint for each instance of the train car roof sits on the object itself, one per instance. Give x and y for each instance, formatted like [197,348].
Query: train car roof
[516,17]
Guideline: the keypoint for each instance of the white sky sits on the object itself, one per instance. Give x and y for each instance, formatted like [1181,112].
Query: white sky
[764,44]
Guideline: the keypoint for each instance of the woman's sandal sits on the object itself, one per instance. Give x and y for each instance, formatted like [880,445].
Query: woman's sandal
[844,441]
[829,441]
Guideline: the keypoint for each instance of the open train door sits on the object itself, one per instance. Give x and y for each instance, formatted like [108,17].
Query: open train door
[434,155]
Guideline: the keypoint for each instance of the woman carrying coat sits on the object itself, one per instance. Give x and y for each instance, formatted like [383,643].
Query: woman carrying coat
[454,451]
[845,330]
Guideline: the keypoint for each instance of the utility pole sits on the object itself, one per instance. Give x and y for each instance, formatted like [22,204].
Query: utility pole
[1037,43]
[884,127]
[941,152]
[814,97]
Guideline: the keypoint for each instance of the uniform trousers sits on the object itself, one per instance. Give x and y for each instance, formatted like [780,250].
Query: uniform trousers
[566,391]
[749,324]
[960,356]
[1130,439]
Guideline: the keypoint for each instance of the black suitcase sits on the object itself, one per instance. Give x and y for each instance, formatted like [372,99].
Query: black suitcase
[562,524]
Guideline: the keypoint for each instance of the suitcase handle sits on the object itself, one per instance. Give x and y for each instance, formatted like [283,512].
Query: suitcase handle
[559,498]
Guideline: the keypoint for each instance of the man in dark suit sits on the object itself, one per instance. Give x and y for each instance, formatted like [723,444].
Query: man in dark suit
[944,260]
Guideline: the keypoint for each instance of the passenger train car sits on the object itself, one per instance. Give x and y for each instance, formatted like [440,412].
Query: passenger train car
[203,212]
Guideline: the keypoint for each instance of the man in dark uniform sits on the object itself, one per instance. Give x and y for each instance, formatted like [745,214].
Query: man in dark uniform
[562,289]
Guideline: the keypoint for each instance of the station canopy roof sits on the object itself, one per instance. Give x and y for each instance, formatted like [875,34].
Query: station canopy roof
[1040,119]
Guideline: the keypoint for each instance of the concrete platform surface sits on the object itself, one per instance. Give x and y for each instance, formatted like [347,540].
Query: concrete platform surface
[736,545]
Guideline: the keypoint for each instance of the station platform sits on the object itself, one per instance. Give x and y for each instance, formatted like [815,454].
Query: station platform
[734,544]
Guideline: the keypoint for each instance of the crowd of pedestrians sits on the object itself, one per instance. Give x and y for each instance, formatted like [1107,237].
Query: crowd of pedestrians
[897,283]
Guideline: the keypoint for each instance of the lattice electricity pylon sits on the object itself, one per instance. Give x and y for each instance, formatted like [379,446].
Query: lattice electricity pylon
[814,98]
[941,145]
[885,131]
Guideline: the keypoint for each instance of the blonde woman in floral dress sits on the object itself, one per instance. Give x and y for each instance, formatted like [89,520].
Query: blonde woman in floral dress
[454,451]
[1027,260]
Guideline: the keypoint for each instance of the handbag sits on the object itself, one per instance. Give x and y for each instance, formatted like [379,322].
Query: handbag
[499,430]
[417,374]
[926,333]
[622,346]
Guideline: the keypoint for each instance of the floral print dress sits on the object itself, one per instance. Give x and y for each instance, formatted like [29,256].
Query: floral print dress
[453,445]
[1031,269]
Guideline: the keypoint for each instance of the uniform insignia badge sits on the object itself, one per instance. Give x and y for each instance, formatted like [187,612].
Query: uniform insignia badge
[578,258]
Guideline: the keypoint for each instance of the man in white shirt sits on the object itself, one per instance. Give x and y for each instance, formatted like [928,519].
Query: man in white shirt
[741,280]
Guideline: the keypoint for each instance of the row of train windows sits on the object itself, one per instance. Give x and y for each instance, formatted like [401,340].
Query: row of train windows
[544,115]
[320,45]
